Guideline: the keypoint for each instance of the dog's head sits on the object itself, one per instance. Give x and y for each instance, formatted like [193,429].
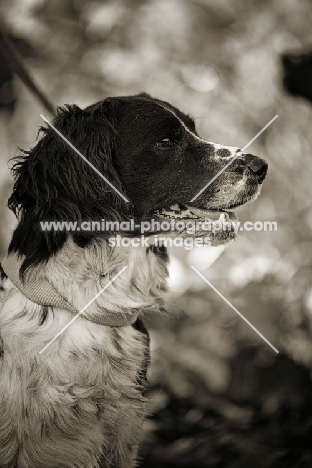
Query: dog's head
[149,151]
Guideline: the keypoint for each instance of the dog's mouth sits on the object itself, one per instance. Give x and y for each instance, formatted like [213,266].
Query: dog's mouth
[189,212]
[218,226]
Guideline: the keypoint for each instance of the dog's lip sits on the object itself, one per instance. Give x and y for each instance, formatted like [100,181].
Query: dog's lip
[212,213]
[181,211]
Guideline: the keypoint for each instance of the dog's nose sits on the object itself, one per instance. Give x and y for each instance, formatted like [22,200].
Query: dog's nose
[258,167]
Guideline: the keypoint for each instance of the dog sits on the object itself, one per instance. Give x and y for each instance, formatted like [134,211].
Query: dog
[80,403]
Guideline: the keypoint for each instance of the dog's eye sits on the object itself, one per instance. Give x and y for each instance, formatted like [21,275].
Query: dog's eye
[165,143]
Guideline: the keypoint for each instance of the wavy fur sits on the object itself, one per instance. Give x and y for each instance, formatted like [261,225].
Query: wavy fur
[80,403]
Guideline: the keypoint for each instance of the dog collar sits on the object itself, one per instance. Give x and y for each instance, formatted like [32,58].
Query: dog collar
[43,293]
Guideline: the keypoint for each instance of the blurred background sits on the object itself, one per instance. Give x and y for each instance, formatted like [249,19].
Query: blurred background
[219,396]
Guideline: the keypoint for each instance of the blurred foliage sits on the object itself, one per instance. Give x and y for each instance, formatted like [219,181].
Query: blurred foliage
[220,397]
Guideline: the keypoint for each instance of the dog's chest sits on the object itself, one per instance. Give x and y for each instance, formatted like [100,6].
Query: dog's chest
[112,360]
[83,396]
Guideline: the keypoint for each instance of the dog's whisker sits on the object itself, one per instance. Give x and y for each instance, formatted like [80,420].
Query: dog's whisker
[233,159]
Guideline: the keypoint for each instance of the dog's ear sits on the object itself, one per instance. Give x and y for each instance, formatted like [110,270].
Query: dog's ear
[54,183]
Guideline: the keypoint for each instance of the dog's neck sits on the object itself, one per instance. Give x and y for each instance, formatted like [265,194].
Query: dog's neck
[73,277]
[42,292]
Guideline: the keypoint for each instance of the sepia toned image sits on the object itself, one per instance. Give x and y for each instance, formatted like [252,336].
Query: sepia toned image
[155,234]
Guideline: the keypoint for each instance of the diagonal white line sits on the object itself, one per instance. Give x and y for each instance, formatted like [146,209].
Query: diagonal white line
[82,310]
[235,310]
[84,158]
[235,157]
[258,134]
